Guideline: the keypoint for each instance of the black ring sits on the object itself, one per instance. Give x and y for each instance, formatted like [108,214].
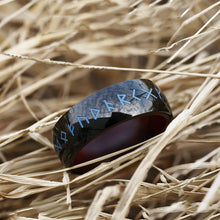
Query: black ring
[109,120]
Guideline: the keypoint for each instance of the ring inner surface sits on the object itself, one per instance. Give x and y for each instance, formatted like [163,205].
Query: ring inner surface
[120,136]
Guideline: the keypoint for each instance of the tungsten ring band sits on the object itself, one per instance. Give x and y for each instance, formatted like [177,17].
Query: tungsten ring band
[109,120]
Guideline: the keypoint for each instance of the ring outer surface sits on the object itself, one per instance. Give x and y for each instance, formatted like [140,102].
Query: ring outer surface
[103,109]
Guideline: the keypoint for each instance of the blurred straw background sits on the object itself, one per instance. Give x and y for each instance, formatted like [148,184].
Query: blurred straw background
[54,53]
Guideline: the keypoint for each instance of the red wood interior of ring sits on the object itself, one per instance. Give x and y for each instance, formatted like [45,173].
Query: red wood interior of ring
[120,136]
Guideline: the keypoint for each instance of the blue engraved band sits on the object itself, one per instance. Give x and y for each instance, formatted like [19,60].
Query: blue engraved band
[111,119]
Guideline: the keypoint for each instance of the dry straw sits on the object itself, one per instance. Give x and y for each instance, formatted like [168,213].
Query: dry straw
[54,53]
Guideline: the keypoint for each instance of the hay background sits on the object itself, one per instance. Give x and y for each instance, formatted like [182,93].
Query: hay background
[55,53]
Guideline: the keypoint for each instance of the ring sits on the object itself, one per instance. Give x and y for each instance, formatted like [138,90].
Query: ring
[114,118]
